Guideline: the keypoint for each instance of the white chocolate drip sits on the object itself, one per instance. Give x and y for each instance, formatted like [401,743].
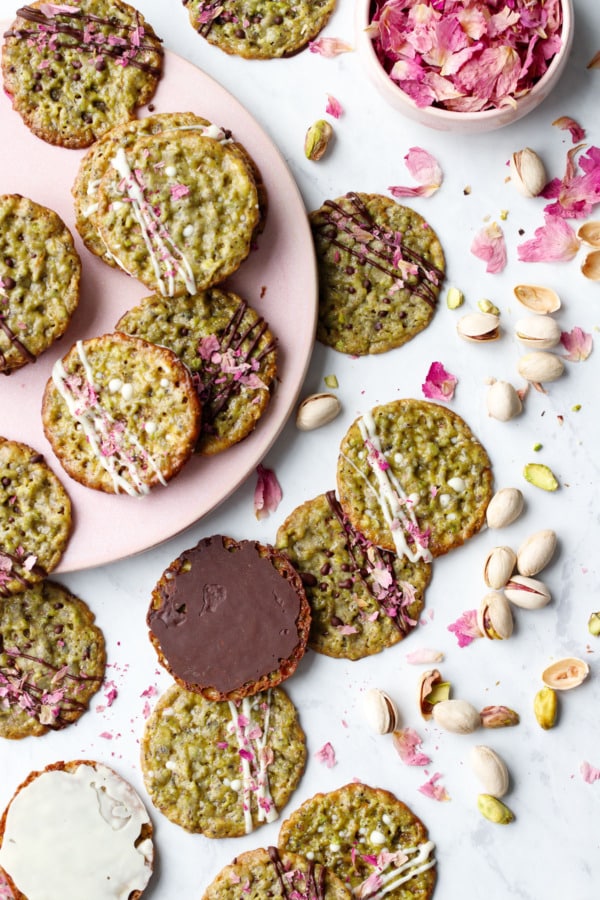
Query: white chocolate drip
[168,261]
[254,761]
[391,876]
[395,505]
[96,424]
[73,834]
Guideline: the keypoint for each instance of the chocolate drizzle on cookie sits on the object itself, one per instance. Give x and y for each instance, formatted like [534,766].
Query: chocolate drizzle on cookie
[374,246]
[313,889]
[8,572]
[17,344]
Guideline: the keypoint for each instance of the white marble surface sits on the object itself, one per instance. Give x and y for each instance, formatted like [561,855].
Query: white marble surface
[552,849]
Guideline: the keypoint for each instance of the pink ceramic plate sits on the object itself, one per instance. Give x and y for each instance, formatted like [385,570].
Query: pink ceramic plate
[279,279]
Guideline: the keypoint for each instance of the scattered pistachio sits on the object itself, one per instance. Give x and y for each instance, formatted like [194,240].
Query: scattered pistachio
[527,593]
[498,567]
[490,769]
[331,381]
[537,447]
[539,332]
[494,810]
[504,214]
[536,551]
[479,327]
[545,707]
[540,367]
[503,401]
[486,306]
[317,139]
[432,690]
[494,617]
[540,476]
[380,711]
[565,674]
[457,716]
[454,298]
[499,717]
[537,299]
[576,407]
[505,506]
[317,410]
[528,172]
[594,624]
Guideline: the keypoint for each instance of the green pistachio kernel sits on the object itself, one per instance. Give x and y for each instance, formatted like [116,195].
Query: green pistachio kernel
[540,476]
[545,707]
[317,139]
[494,810]
[594,624]
[454,298]
[486,306]
[331,381]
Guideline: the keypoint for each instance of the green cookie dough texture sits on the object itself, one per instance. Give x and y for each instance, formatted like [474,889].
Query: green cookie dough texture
[380,268]
[52,660]
[39,280]
[222,768]
[74,71]
[229,350]
[122,415]
[178,211]
[435,469]
[371,840]
[35,518]
[281,876]
[362,599]
[259,29]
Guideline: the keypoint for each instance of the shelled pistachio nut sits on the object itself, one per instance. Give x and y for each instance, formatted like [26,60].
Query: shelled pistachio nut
[499,717]
[498,567]
[540,367]
[317,410]
[594,624]
[502,401]
[536,551]
[380,711]
[490,769]
[565,674]
[528,593]
[494,810]
[494,617]
[457,716]
[504,508]
[317,140]
[538,332]
[479,327]
[538,299]
[432,689]
[545,708]
[540,476]
[528,173]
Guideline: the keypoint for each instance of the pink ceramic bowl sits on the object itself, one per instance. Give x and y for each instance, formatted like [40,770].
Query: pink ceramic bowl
[460,122]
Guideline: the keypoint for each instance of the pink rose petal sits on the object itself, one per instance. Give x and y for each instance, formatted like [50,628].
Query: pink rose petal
[465,628]
[178,191]
[555,241]
[424,169]
[576,194]
[334,107]
[329,46]
[434,790]
[577,343]
[589,773]
[439,384]
[489,245]
[566,123]
[326,755]
[407,742]
[424,656]
[267,494]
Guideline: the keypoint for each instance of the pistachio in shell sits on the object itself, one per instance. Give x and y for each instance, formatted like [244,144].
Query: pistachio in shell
[528,593]
[479,327]
[504,508]
[494,617]
[380,711]
[490,769]
[503,401]
[565,674]
[536,551]
[536,298]
[458,716]
[432,689]
[538,332]
[499,566]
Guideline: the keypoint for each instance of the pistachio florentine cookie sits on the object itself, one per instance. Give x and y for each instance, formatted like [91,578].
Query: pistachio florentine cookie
[101,844]
[52,660]
[35,517]
[74,70]
[229,350]
[122,415]
[412,477]
[98,160]
[222,768]
[282,876]
[380,268]
[229,618]
[39,280]
[178,211]
[259,29]
[371,840]
[362,599]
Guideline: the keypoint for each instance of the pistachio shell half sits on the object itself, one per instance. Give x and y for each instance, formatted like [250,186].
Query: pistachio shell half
[538,332]
[317,410]
[494,617]
[432,689]
[380,711]
[457,716]
[536,551]
[565,674]
[540,367]
[536,298]
[591,266]
[589,233]
[479,327]
[490,769]
[505,506]
[528,593]
[499,566]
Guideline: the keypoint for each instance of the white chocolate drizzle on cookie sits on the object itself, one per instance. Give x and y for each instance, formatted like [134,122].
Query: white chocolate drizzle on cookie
[395,869]
[396,506]
[113,446]
[255,758]
[168,261]
[74,834]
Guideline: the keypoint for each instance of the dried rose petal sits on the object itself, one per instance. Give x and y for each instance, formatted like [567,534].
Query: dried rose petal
[439,384]
[334,107]
[577,343]
[465,628]
[589,773]
[566,123]
[555,241]
[329,46]
[576,194]
[489,245]
[434,790]
[424,169]
[424,655]
[406,742]
[267,494]
[326,755]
